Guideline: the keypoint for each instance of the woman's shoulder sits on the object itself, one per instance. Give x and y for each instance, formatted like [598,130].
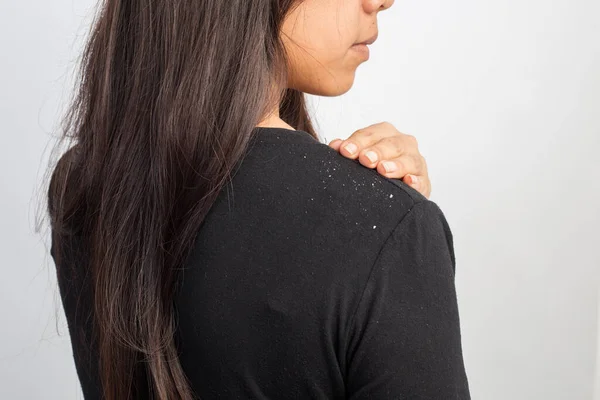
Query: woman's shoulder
[299,169]
[306,198]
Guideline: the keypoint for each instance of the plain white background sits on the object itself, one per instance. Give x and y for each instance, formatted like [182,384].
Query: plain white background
[504,98]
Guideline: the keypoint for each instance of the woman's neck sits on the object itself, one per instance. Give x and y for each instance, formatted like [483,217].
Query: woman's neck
[273,121]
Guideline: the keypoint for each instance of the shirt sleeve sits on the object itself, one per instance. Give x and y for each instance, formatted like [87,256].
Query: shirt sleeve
[405,341]
[75,292]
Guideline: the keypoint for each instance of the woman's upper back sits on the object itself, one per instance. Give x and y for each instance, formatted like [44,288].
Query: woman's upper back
[311,277]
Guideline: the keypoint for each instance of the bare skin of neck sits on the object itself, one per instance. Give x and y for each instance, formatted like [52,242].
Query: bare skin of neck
[273,121]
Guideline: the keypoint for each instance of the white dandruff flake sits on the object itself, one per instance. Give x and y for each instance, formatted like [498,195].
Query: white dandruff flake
[374,226]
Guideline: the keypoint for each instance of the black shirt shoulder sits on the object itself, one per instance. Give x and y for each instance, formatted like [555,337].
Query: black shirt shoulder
[311,277]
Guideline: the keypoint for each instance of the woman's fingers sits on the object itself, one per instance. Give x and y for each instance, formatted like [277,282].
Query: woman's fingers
[391,148]
[421,184]
[412,170]
[335,144]
[364,138]
[400,166]
[392,153]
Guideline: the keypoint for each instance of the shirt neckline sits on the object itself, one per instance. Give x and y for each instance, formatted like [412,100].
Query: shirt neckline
[279,135]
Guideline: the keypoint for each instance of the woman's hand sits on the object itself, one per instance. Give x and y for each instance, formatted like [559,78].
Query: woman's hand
[396,155]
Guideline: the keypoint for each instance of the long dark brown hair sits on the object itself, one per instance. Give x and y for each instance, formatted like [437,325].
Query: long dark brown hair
[167,97]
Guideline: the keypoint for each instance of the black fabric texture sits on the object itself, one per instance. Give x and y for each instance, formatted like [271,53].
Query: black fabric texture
[312,277]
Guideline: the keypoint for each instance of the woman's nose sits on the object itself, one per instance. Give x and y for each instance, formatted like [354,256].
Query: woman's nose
[371,6]
[387,4]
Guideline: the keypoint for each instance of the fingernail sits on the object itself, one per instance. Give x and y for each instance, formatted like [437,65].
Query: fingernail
[371,155]
[389,166]
[351,148]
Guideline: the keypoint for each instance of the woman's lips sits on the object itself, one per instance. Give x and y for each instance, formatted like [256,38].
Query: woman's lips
[362,49]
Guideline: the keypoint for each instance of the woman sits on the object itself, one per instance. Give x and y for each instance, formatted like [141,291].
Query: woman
[208,245]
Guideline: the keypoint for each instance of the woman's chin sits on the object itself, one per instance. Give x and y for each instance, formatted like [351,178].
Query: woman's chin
[330,88]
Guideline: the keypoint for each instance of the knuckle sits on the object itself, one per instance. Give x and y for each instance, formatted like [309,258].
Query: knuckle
[385,125]
[361,134]
[366,132]
[393,143]
[400,164]
[411,138]
[416,160]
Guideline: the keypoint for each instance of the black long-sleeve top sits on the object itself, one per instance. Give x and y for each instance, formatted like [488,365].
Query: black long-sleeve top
[312,277]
